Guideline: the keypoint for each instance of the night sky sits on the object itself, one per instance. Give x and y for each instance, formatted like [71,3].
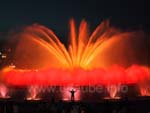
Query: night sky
[56,14]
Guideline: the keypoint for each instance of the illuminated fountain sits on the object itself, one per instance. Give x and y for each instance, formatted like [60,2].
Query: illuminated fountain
[106,57]
[113,90]
[3,91]
[33,93]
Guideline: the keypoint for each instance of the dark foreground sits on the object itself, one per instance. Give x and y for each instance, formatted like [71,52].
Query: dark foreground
[138,105]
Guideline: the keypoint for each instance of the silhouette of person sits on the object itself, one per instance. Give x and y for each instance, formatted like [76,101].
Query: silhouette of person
[72,94]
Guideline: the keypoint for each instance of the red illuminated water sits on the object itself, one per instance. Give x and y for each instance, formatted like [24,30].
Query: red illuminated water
[78,77]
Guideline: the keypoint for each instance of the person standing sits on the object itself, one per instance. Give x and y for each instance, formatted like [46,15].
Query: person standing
[72,94]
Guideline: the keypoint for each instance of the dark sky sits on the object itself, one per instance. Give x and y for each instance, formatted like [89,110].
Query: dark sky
[55,14]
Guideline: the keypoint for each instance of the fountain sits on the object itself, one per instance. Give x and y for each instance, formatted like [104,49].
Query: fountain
[3,91]
[106,57]
[33,93]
